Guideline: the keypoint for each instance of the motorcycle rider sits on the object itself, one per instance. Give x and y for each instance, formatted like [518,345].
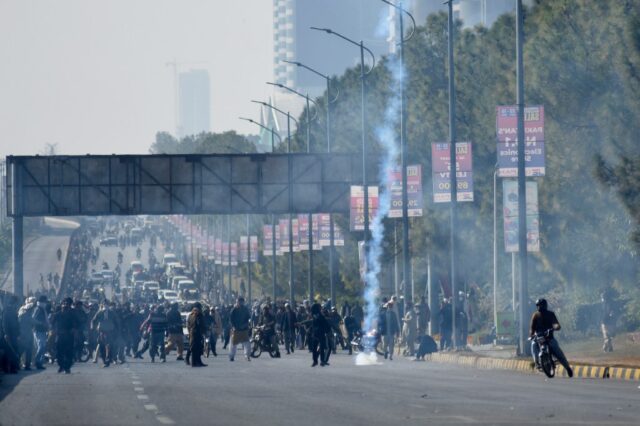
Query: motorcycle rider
[268,322]
[541,321]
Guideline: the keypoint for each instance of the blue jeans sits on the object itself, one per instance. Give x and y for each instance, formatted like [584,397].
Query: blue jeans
[555,349]
[41,346]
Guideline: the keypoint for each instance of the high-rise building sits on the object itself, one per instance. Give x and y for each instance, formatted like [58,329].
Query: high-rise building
[294,41]
[194,103]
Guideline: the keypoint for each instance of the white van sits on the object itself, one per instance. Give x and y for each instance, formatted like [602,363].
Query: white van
[169,258]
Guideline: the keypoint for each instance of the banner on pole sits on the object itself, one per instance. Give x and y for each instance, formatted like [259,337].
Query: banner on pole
[244,249]
[414,191]
[218,251]
[441,169]
[507,137]
[356,222]
[510,204]
[234,254]
[225,253]
[253,247]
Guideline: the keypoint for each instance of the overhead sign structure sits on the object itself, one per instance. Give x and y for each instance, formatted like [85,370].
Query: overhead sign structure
[441,169]
[181,184]
[414,192]
[507,136]
[510,203]
[356,222]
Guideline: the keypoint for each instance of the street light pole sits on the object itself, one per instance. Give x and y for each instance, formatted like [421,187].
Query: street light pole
[406,258]
[522,182]
[273,216]
[452,171]
[289,118]
[310,216]
[363,75]
[332,291]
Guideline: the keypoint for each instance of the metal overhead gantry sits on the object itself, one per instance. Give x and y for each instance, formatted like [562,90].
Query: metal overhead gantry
[103,185]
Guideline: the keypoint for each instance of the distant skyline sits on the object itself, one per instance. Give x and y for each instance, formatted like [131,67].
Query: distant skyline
[92,76]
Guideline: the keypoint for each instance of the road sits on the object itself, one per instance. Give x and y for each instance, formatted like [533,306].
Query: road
[40,254]
[288,391]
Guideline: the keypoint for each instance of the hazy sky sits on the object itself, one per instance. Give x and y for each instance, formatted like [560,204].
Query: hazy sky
[91,75]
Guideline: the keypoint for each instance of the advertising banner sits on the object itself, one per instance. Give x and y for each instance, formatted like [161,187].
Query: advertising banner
[315,231]
[510,209]
[284,235]
[303,232]
[440,157]
[507,136]
[295,232]
[244,249]
[414,191]
[225,254]
[267,240]
[234,254]
[218,251]
[356,222]
[253,245]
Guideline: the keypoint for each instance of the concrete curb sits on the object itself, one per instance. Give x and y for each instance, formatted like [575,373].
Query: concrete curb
[526,366]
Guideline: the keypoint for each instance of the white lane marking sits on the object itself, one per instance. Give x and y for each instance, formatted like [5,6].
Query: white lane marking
[151,407]
[165,420]
[138,389]
[143,396]
[136,382]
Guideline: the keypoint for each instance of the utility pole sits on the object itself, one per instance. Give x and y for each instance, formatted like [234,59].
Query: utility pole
[522,184]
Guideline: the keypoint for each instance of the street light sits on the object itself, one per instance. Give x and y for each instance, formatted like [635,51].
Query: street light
[363,75]
[273,219]
[289,118]
[406,265]
[310,216]
[332,291]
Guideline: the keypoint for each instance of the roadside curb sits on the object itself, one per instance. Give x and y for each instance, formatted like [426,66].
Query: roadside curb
[526,366]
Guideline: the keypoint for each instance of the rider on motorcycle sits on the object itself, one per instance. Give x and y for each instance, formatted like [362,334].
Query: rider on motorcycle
[541,321]
[268,322]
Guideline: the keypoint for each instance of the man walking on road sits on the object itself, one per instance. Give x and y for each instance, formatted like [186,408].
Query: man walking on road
[239,319]
[176,339]
[64,324]
[197,329]
[40,329]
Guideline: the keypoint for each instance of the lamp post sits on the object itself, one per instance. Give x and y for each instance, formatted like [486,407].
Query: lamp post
[310,216]
[289,118]
[406,260]
[452,170]
[522,180]
[273,216]
[363,77]
[332,291]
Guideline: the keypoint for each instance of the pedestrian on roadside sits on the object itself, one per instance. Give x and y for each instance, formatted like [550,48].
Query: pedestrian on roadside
[319,335]
[25,319]
[174,327]
[388,324]
[446,323]
[11,329]
[608,320]
[409,329]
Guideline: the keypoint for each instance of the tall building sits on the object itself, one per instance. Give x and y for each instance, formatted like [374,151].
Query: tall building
[294,41]
[194,103]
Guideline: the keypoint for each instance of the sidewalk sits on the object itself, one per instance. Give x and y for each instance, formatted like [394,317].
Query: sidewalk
[586,357]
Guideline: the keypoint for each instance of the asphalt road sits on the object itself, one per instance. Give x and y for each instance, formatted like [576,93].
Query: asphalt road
[40,254]
[288,391]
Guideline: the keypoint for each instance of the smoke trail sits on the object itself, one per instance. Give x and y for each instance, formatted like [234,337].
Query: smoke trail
[386,134]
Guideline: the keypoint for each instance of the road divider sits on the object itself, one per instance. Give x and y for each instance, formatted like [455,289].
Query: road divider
[526,366]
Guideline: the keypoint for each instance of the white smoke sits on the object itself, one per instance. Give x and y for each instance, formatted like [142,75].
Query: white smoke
[386,133]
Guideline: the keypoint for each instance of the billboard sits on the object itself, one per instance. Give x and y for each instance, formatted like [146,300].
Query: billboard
[441,168]
[510,214]
[507,137]
[414,191]
[356,222]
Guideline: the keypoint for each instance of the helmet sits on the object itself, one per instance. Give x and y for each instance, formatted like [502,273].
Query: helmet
[541,304]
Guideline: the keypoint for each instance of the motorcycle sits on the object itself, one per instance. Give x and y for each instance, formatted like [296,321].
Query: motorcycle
[85,353]
[261,343]
[546,357]
[362,343]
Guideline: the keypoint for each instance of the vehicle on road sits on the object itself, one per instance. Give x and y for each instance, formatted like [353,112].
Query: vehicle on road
[137,266]
[168,295]
[151,286]
[136,235]
[546,356]
[108,275]
[169,258]
[175,280]
[96,279]
[109,241]
[261,343]
[366,343]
